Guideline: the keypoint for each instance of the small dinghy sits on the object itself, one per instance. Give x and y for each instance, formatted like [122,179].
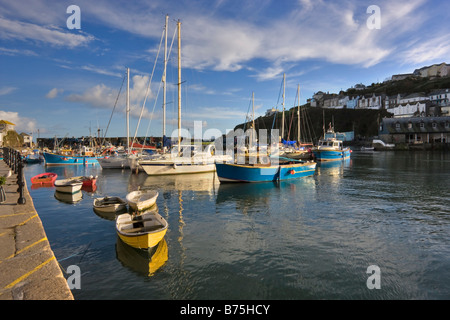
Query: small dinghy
[110,204]
[141,231]
[46,178]
[142,199]
[68,185]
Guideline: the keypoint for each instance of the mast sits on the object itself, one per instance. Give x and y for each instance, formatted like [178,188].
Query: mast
[164,80]
[179,85]
[253,116]
[282,116]
[128,110]
[298,119]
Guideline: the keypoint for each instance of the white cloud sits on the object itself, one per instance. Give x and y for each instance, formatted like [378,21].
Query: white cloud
[102,96]
[53,93]
[23,124]
[7,90]
[16,30]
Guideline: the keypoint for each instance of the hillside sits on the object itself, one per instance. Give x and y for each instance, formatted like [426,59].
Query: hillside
[363,122]
[405,87]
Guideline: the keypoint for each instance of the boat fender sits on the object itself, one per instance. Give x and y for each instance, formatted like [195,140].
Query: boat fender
[291,171]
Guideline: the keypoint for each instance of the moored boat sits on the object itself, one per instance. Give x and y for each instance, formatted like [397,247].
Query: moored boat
[68,185]
[87,181]
[53,159]
[44,178]
[142,199]
[143,231]
[331,149]
[110,204]
[285,169]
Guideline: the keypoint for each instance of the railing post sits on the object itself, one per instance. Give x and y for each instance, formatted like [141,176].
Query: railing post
[20,180]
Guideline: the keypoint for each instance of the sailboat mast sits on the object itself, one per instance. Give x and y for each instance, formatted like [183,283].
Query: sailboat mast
[179,85]
[298,119]
[164,79]
[128,110]
[282,116]
[253,116]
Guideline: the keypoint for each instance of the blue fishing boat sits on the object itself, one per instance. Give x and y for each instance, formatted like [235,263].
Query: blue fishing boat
[331,149]
[285,169]
[53,159]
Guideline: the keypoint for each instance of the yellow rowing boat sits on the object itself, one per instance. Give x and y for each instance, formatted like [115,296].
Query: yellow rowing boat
[141,231]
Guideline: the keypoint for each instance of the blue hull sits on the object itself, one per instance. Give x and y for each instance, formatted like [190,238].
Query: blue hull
[248,173]
[331,155]
[52,159]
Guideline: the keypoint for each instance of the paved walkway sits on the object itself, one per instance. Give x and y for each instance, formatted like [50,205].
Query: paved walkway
[28,267]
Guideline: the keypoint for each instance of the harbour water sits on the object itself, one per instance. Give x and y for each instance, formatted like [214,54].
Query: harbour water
[312,238]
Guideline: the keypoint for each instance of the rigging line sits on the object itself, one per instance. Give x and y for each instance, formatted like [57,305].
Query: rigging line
[115,104]
[148,88]
[168,55]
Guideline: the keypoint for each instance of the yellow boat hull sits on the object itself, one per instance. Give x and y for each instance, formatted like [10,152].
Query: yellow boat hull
[143,241]
[143,231]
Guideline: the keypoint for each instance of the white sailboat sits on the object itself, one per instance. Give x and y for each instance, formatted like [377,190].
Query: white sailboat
[182,159]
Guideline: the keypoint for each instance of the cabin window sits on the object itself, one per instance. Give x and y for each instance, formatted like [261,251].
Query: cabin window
[422,125]
[409,125]
[447,124]
[434,125]
[397,125]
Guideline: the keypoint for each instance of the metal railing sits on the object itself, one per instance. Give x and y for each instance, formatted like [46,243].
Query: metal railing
[14,160]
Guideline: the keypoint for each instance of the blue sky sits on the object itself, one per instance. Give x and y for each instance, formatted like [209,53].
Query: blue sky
[64,81]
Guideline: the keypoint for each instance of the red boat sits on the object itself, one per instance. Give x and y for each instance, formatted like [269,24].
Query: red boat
[87,181]
[47,178]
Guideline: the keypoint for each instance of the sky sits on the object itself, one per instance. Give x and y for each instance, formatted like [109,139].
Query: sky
[63,73]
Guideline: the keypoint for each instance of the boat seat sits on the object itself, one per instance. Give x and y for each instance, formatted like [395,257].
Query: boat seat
[136,221]
[142,229]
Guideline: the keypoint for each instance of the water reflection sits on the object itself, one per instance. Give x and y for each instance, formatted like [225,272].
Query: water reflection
[70,198]
[206,182]
[144,262]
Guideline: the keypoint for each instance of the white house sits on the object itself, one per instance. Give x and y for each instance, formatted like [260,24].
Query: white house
[409,109]
[371,102]
[5,126]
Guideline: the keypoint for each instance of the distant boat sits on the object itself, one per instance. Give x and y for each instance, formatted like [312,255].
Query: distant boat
[142,199]
[31,159]
[44,178]
[367,148]
[143,231]
[110,204]
[286,169]
[331,149]
[68,185]
[53,159]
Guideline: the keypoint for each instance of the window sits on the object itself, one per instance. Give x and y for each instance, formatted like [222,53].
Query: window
[422,125]
[397,125]
[409,125]
[434,125]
